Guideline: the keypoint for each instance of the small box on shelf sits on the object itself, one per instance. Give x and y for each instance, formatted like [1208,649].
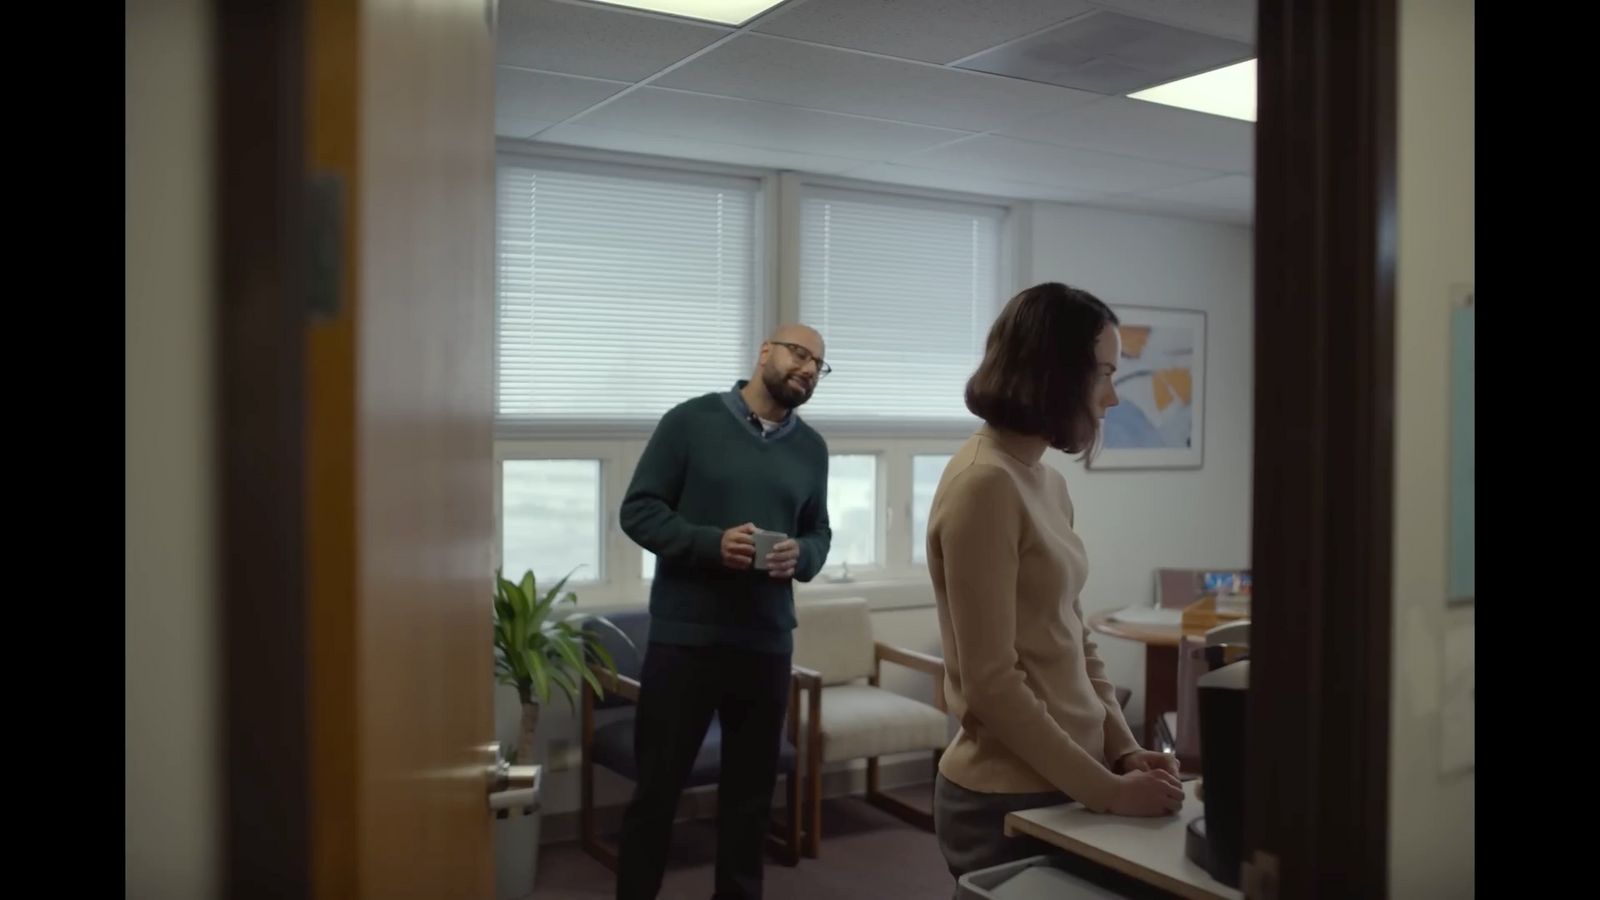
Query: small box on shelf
[1207,612]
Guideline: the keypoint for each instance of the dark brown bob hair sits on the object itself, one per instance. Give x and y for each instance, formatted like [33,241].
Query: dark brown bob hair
[1039,366]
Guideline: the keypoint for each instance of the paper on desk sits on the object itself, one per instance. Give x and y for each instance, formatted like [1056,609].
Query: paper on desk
[1149,615]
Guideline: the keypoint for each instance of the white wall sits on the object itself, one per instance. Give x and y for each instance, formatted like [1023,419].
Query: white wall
[170,766]
[1432,826]
[1135,522]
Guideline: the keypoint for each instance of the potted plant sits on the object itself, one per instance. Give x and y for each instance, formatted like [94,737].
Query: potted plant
[540,644]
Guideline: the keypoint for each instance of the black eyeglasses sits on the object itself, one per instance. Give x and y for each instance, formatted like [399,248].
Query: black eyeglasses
[804,355]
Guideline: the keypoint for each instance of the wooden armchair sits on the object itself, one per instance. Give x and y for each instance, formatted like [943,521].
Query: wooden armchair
[846,719]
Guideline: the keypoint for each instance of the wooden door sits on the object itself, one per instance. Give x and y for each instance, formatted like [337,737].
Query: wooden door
[401,454]
[375,119]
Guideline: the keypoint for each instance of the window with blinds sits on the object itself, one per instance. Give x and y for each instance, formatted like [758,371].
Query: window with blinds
[904,291]
[620,293]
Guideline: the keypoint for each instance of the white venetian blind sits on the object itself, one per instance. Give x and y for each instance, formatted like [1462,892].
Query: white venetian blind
[904,292]
[619,294]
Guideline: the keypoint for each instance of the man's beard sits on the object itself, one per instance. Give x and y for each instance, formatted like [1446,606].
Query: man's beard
[786,392]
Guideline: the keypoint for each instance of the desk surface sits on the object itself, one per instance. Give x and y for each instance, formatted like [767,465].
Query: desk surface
[1152,635]
[1151,850]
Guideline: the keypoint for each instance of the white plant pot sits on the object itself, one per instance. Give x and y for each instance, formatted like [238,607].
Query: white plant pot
[516,837]
[516,856]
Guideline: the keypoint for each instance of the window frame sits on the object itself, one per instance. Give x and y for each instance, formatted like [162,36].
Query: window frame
[895,580]
[763,281]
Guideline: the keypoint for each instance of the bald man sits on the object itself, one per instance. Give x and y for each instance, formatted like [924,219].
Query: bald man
[718,468]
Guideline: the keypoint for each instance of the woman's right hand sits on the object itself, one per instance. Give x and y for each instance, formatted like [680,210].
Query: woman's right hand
[1154,792]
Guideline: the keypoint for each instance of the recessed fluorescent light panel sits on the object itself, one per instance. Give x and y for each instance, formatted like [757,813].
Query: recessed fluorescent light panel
[1229,91]
[723,12]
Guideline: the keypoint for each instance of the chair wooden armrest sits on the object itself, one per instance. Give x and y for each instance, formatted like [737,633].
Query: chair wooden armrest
[621,685]
[810,681]
[911,659]
[805,678]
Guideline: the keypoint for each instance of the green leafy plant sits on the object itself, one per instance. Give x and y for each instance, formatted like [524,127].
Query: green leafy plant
[540,644]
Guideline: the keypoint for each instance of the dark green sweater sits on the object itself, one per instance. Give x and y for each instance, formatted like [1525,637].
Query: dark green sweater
[703,472]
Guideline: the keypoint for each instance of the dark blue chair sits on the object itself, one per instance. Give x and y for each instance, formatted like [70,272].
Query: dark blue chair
[610,746]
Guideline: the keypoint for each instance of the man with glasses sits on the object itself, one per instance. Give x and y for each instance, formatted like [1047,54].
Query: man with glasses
[718,469]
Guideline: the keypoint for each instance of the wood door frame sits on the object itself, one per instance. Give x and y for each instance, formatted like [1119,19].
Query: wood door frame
[1317,797]
[259,113]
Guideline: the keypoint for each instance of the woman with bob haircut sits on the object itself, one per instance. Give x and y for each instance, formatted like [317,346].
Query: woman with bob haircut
[1040,723]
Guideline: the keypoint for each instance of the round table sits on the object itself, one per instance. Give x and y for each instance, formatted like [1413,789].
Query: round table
[1160,664]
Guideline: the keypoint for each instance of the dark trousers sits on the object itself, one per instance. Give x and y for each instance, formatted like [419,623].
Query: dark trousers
[680,688]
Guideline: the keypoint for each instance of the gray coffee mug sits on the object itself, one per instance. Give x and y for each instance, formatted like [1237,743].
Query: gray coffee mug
[765,541]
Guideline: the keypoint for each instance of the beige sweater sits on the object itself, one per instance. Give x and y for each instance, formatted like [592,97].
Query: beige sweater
[1022,676]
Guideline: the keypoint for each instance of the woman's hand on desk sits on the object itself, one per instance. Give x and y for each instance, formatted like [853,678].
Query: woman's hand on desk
[1147,793]
[1147,761]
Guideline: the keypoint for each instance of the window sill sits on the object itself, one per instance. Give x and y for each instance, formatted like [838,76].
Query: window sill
[883,593]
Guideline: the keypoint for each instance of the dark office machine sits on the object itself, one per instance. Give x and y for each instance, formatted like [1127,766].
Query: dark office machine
[1216,839]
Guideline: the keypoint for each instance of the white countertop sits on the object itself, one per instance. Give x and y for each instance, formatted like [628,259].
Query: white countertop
[1151,850]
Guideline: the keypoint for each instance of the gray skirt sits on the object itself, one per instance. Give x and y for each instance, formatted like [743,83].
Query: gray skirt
[971,826]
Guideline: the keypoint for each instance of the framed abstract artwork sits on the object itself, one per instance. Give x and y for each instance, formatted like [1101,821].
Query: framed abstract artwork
[1159,422]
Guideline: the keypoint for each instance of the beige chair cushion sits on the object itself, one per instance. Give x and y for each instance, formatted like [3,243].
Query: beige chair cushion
[859,721]
[834,637]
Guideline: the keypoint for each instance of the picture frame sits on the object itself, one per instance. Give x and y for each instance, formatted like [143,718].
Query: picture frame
[1159,421]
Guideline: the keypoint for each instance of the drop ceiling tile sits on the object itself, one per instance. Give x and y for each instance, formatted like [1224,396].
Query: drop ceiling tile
[937,31]
[756,67]
[589,40]
[1234,192]
[697,150]
[1109,53]
[1067,167]
[1234,19]
[525,102]
[965,182]
[750,123]
[1136,203]
[1147,130]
